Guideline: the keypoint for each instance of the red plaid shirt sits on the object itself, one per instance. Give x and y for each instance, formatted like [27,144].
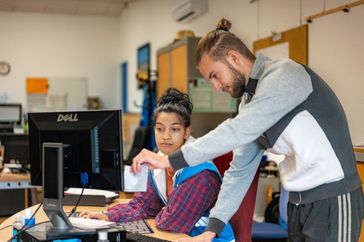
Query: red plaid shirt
[186,204]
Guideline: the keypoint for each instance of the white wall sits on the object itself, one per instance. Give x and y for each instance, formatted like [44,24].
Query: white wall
[40,45]
[151,21]
[94,47]
[336,51]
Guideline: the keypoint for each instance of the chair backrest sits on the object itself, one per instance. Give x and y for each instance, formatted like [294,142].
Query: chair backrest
[242,221]
[139,142]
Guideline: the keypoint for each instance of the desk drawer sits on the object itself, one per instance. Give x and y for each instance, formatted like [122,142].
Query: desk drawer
[12,201]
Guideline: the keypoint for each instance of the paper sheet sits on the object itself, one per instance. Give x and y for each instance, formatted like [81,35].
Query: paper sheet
[87,191]
[135,183]
[86,223]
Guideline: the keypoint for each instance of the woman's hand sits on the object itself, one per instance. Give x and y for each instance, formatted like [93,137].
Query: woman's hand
[94,215]
[150,158]
[206,236]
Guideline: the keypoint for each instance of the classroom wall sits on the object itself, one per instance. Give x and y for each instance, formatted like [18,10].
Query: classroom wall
[337,53]
[42,45]
[335,41]
[151,21]
[94,47]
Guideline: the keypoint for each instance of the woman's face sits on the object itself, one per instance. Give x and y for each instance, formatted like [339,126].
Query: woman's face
[170,134]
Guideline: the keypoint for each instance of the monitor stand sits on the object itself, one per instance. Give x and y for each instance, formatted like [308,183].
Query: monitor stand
[60,226]
[52,157]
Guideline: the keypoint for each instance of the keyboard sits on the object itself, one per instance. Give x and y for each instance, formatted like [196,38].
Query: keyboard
[87,223]
[142,238]
[140,226]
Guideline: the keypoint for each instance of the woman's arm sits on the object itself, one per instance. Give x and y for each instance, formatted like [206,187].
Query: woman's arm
[188,202]
[144,204]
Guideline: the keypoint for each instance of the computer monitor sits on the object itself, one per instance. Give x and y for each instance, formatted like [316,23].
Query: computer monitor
[16,150]
[10,116]
[74,149]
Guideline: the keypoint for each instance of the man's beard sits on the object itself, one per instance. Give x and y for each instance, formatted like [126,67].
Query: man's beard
[238,83]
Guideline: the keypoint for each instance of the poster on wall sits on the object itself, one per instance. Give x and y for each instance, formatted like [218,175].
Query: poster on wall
[143,64]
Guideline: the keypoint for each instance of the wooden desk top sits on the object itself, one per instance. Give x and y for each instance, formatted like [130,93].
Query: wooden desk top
[359,153]
[10,177]
[41,216]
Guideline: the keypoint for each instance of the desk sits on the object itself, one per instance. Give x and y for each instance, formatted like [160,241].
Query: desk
[14,187]
[41,216]
[14,181]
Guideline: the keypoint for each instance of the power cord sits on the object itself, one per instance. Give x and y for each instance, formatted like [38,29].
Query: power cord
[21,231]
[84,181]
[77,203]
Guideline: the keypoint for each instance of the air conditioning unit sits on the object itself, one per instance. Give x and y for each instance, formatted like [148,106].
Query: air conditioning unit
[185,10]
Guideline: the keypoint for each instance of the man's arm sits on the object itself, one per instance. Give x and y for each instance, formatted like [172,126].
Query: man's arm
[278,92]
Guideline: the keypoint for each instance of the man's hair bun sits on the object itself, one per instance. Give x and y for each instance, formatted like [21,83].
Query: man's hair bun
[223,24]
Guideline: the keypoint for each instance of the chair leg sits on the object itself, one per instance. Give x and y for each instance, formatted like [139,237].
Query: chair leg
[242,221]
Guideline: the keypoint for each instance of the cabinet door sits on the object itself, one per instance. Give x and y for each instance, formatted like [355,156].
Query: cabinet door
[179,68]
[163,73]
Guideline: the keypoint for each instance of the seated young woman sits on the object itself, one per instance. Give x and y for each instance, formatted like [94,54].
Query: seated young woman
[179,200]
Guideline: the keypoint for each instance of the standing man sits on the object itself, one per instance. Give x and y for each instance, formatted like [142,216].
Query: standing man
[290,110]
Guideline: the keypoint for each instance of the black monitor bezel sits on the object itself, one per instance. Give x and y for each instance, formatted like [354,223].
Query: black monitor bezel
[35,144]
[13,144]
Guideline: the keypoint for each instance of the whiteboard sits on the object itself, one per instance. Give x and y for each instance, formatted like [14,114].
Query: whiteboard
[74,90]
[61,94]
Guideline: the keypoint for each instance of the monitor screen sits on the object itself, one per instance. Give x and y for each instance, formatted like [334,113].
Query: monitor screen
[92,145]
[16,148]
[10,113]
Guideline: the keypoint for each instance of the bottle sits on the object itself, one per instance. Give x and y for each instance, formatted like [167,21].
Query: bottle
[28,220]
[25,123]
[17,225]
[103,236]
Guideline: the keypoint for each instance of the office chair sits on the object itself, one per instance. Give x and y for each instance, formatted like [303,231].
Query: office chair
[242,220]
[275,213]
[139,142]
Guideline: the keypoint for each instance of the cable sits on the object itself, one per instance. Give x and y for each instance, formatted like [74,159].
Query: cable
[78,201]
[31,217]
[84,182]
[25,227]
[21,231]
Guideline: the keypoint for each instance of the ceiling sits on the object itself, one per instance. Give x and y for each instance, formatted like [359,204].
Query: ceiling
[109,8]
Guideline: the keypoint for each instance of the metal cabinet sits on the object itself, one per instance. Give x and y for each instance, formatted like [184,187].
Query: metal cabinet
[176,65]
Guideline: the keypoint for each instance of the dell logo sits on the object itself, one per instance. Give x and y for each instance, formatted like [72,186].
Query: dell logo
[67,117]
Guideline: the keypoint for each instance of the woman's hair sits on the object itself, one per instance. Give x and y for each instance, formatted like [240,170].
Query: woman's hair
[218,42]
[174,101]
